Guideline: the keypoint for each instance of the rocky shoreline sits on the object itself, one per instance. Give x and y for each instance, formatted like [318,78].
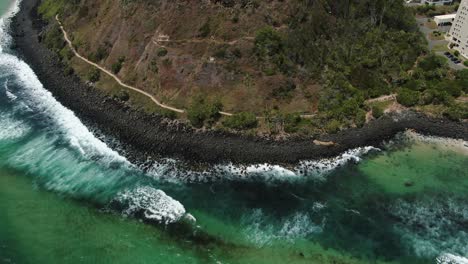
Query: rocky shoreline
[144,135]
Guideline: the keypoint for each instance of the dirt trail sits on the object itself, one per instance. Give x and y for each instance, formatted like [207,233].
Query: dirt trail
[117,79]
[120,82]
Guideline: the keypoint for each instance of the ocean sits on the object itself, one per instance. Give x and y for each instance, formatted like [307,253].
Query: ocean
[67,197]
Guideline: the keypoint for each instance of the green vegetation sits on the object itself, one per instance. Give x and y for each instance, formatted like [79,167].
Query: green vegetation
[162,52]
[123,96]
[241,121]
[49,8]
[205,30]
[330,55]
[408,97]
[377,112]
[117,66]
[54,39]
[153,66]
[94,75]
[284,91]
[270,50]
[465,63]
[203,112]
[101,53]
[433,10]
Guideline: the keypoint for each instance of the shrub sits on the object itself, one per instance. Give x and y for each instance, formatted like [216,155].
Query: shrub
[162,52]
[205,30]
[292,122]
[67,70]
[456,53]
[377,112]
[54,39]
[465,63]
[117,66]
[268,42]
[454,113]
[220,53]
[408,97]
[360,118]
[100,54]
[153,66]
[168,114]
[66,53]
[244,120]
[202,111]
[94,75]
[284,91]
[237,53]
[432,62]
[123,96]
[333,126]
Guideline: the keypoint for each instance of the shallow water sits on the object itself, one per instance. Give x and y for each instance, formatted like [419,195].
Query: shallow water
[66,197]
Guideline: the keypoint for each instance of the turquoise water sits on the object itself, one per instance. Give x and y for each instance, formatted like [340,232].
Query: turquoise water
[66,197]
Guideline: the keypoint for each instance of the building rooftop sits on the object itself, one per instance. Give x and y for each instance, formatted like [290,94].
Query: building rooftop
[449,16]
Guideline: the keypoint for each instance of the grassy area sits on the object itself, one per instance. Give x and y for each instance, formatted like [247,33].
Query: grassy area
[50,8]
[108,85]
[436,35]
[442,47]
[433,110]
[431,24]
[382,105]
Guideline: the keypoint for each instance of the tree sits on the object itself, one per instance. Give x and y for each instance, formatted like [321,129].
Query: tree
[408,97]
[202,111]
[94,75]
[243,120]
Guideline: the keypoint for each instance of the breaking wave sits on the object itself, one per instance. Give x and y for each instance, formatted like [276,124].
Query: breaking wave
[169,170]
[62,154]
[152,203]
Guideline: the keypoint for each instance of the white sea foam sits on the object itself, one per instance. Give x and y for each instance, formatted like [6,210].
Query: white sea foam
[431,226]
[451,259]
[11,128]
[62,120]
[261,231]
[154,204]
[319,169]
[170,170]
[59,169]
[5,38]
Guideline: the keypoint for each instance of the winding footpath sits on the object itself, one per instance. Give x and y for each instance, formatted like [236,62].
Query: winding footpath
[117,79]
[120,82]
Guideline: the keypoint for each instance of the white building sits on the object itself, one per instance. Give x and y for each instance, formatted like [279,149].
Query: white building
[458,33]
[437,2]
[445,20]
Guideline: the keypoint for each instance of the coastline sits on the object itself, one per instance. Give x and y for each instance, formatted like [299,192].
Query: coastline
[144,135]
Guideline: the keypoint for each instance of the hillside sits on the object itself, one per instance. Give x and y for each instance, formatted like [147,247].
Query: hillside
[275,59]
